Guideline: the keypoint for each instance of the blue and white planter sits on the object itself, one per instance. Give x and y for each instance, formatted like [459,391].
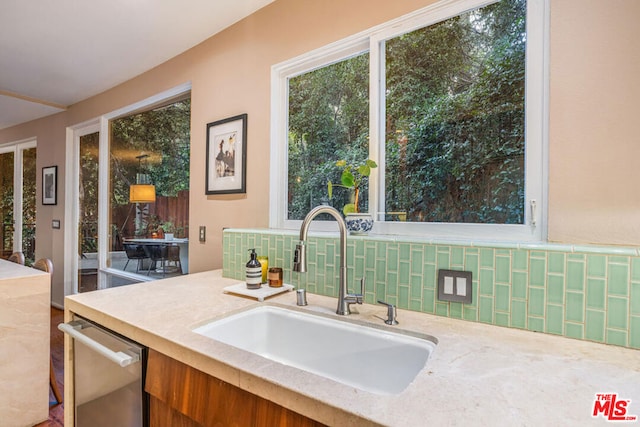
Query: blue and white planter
[359,223]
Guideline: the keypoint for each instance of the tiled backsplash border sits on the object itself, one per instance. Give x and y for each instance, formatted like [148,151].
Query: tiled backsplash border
[589,293]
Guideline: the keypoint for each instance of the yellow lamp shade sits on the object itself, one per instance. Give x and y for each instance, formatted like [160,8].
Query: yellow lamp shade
[142,193]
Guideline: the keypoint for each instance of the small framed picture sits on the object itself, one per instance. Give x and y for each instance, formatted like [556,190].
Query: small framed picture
[50,185]
[227,156]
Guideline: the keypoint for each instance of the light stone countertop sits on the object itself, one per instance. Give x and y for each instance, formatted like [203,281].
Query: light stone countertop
[478,374]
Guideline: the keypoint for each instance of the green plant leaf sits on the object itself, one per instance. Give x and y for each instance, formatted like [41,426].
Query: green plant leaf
[364,170]
[330,189]
[349,208]
[371,164]
[347,179]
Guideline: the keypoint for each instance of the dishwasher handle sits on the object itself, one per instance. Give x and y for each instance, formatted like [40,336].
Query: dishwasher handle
[118,357]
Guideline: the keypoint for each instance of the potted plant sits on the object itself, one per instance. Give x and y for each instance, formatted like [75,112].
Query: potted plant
[352,178]
[168,229]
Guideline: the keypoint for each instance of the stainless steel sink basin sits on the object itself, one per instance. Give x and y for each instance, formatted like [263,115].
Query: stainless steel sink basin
[367,358]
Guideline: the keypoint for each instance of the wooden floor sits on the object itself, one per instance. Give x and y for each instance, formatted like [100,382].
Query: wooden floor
[56,412]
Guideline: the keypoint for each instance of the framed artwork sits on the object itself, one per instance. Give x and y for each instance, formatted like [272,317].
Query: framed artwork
[50,185]
[227,156]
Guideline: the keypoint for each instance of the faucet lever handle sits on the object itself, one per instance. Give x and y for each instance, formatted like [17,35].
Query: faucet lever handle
[360,297]
[391,313]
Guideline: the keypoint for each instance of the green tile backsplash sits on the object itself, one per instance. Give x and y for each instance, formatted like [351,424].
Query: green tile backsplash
[587,293]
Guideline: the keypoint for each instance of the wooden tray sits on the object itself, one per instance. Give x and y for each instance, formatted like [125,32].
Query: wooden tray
[261,294]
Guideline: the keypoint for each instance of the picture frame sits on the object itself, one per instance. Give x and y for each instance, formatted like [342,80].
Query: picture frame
[50,185]
[227,156]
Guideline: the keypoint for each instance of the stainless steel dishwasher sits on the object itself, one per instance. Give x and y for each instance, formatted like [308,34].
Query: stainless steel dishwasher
[108,377]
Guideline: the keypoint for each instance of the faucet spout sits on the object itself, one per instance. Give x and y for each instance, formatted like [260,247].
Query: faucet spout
[300,259]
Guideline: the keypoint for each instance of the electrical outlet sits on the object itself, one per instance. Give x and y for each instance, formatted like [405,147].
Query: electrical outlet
[202,236]
[454,285]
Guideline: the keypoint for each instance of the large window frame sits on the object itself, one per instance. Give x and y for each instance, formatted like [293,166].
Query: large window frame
[534,227]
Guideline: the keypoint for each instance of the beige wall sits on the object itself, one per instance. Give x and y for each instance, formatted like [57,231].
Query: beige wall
[593,92]
[594,140]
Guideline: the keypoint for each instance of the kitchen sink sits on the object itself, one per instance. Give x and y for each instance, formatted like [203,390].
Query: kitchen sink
[368,358]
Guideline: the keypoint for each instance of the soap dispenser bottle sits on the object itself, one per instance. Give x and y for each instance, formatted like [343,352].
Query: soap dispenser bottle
[254,272]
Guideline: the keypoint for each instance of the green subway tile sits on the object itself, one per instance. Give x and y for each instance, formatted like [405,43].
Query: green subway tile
[457,257]
[503,252]
[519,284]
[594,326]
[442,309]
[392,283]
[403,273]
[555,289]
[617,313]
[486,282]
[616,337]
[370,257]
[518,314]
[486,257]
[575,307]
[503,269]
[416,261]
[486,309]
[430,254]
[358,267]
[428,300]
[430,277]
[635,269]
[381,249]
[403,297]
[536,302]
[502,298]
[596,266]
[471,263]
[443,260]
[634,332]
[520,260]
[537,273]
[415,288]
[392,259]
[414,305]
[576,257]
[619,260]
[381,292]
[618,280]
[381,269]
[535,324]
[574,330]
[404,251]
[470,313]
[596,294]
[455,310]
[635,299]
[575,276]
[555,319]
[502,319]
[556,262]
[358,248]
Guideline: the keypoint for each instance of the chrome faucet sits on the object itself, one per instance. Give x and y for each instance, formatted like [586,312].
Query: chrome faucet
[300,258]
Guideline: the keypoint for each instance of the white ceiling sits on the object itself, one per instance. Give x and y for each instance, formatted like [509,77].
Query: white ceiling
[54,53]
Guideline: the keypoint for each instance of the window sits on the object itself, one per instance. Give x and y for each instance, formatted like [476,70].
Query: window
[437,99]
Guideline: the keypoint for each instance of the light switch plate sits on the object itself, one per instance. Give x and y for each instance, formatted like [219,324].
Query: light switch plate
[202,235]
[455,286]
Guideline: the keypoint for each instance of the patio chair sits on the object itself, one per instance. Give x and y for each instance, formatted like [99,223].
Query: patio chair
[135,252]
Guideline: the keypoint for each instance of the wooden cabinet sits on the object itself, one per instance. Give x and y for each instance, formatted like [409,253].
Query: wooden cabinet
[184,397]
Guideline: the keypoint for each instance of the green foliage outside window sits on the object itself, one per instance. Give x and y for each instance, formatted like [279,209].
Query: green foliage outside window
[454,140]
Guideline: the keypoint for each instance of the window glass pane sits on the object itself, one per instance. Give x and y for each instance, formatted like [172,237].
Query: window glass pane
[88,213]
[150,148]
[29,205]
[328,121]
[6,202]
[455,146]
